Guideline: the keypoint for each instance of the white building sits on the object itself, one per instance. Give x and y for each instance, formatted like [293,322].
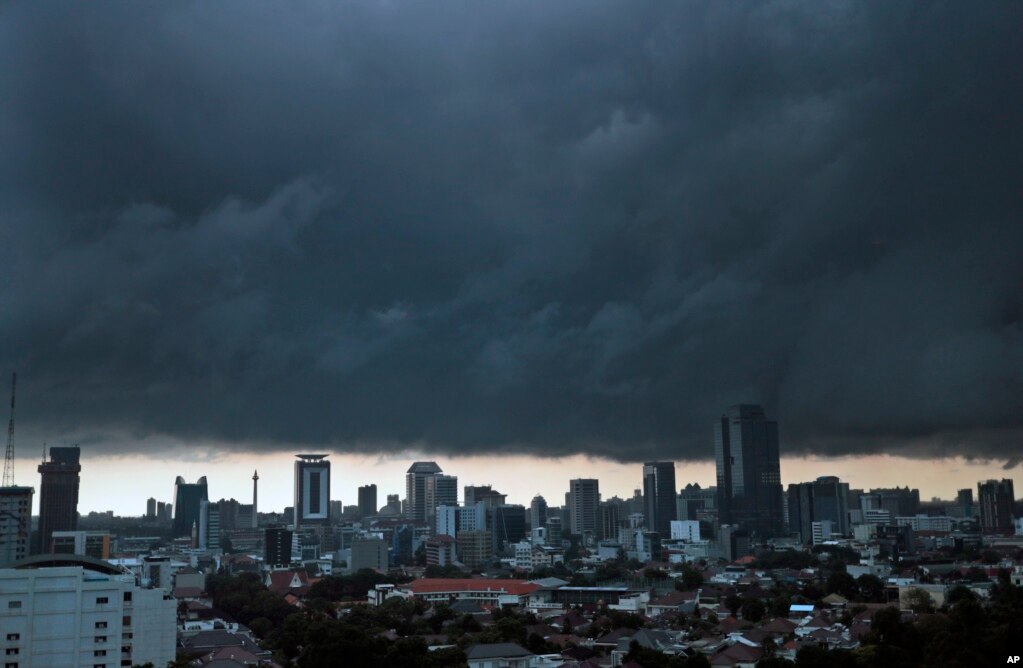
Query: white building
[687,530]
[822,531]
[524,555]
[926,523]
[447,520]
[84,613]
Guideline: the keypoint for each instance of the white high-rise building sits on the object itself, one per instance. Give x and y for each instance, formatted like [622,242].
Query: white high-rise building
[687,530]
[447,521]
[87,613]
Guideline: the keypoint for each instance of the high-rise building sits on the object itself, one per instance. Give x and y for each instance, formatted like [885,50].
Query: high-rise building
[84,613]
[584,502]
[508,522]
[749,471]
[440,490]
[368,500]
[611,517]
[964,500]
[823,500]
[996,499]
[693,500]
[15,523]
[187,499]
[538,512]
[899,501]
[209,526]
[58,494]
[483,493]
[368,553]
[277,545]
[312,490]
[151,508]
[415,489]
[659,493]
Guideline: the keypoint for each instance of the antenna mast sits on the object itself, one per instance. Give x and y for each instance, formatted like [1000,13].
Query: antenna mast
[9,457]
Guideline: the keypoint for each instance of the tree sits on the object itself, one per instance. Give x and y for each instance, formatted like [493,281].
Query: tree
[753,610]
[918,600]
[842,583]
[690,579]
[870,588]
[733,603]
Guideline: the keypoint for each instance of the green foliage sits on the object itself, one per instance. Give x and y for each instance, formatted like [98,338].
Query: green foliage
[785,559]
[843,584]
[690,579]
[752,610]
[870,588]
[348,587]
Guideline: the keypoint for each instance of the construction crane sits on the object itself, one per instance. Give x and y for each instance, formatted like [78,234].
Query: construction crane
[9,457]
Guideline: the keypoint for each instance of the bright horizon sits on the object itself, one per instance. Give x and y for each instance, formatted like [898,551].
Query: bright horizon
[136,478]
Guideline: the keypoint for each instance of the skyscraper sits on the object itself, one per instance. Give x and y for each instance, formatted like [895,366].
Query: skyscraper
[15,523]
[440,490]
[538,512]
[748,471]
[151,509]
[312,490]
[584,504]
[58,494]
[996,499]
[187,499]
[823,500]
[659,492]
[368,500]
[415,488]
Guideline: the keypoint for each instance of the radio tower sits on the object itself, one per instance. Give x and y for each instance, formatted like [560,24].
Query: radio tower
[9,457]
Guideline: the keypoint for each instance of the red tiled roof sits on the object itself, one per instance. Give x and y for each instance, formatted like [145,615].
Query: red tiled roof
[440,585]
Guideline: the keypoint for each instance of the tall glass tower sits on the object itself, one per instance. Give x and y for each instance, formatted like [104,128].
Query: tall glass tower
[659,493]
[748,471]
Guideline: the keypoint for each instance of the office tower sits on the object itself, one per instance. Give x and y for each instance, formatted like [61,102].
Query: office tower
[475,548]
[554,531]
[447,521]
[15,523]
[483,493]
[90,543]
[823,500]
[368,553]
[209,526]
[659,493]
[255,499]
[368,500]
[312,490]
[584,501]
[415,489]
[964,500]
[508,523]
[187,498]
[151,509]
[473,518]
[58,494]
[440,490]
[748,471]
[996,500]
[611,518]
[538,512]
[695,500]
[899,501]
[278,545]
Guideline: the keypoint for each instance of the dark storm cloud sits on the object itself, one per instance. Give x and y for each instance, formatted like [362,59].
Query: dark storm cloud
[515,227]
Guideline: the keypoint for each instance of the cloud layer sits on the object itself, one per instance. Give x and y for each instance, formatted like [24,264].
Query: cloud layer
[518,227]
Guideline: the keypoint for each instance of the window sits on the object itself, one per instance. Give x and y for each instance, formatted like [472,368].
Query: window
[14,636]
[100,600]
[127,597]
[11,651]
[10,665]
[100,652]
[101,625]
[13,605]
[126,620]
[101,638]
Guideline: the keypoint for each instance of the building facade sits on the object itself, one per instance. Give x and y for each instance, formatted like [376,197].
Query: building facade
[415,489]
[584,504]
[312,490]
[188,498]
[368,500]
[996,499]
[58,493]
[749,471]
[15,523]
[659,493]
[83,615]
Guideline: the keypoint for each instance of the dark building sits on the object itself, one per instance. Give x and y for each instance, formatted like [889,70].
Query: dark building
[368,500]
[899,501]
[509,524]
[58,494]
[996,499]
[278,546]
[749,471]
[964,500]
[312,490]
[151,509]
[188,497]
[612,516]
[659,492]
[826,498]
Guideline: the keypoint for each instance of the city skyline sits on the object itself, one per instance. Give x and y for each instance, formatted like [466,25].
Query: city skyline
[518,477]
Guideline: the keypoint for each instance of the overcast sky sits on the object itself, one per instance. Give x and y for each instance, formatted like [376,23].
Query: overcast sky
[527,227]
